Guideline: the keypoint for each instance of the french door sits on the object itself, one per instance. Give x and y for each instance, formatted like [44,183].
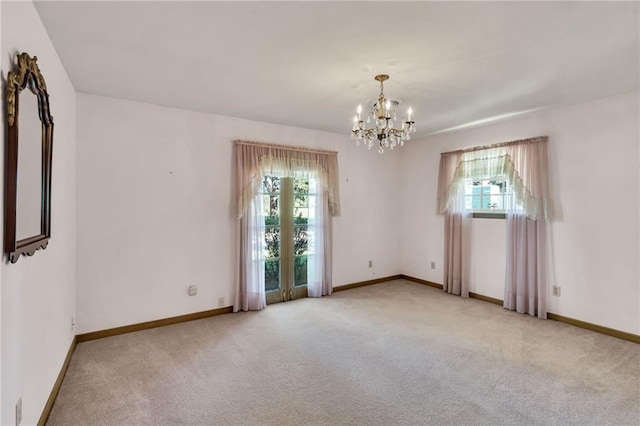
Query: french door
[287,208]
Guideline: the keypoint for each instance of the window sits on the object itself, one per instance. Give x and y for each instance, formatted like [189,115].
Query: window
[283,225]
[490,195]
[287,207]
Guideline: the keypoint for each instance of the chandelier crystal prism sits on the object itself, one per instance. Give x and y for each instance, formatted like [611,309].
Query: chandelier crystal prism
[382,119]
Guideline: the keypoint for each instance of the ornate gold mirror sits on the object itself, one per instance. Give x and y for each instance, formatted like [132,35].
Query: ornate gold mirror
[28,161]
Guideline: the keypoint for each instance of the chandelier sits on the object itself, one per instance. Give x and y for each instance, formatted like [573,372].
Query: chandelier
[382,121]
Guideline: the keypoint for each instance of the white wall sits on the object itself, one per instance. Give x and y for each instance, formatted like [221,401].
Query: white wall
[154,209]
[595,238]
[38,293]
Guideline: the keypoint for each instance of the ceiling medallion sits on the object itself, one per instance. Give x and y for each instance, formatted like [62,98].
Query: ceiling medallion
[383,120]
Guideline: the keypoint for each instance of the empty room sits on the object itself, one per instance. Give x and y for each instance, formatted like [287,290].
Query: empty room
[320,213]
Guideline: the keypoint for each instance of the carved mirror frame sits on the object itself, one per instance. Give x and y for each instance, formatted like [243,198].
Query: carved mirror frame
[26,75]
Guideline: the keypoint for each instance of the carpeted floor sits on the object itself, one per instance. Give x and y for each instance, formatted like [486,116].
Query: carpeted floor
[396,353]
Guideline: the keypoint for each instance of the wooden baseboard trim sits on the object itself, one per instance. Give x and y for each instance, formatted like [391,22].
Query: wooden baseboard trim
[555,317]
[595,327]
[486,298]
[365,283]
[152,324]
[56,386]
[421,281]
[439,286]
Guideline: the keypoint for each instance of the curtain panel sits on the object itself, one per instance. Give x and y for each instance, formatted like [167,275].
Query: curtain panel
[320,263]
[457,256]
[249,232]
[457,225]
[525,289]
[254,160]
[524,164]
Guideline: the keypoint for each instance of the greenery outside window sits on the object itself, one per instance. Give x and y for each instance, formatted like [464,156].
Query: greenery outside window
[487,197]
[289,244]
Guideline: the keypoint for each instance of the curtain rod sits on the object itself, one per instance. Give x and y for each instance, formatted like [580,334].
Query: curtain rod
[288,147]
[497,145]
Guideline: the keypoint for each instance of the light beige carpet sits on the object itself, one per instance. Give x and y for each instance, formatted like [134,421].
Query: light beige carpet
[392,353]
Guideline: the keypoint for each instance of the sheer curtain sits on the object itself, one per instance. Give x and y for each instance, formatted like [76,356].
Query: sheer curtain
[524,165]
[252,161]
[255,159]
[251,296]
[456,227]
[319,261]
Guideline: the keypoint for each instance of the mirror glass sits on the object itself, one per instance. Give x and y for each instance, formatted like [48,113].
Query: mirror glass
[29,193]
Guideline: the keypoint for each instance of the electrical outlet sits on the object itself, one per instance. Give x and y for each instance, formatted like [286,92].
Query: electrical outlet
[220,302]
[556,290]
[433,265]
[19,411]
[371,264]
[193,290]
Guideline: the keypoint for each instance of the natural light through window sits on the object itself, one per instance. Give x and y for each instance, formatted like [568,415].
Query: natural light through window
[486,195]
[289,210]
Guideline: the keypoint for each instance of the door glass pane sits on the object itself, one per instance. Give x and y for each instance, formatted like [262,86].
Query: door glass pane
[301,186]
[300,230]
[272,274]
[300,239]
[271,185]
[300,270]
[300,201]
[300,247]
[272,242]
[271,210]
[301,206]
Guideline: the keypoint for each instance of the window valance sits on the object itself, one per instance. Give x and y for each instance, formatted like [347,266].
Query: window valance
[256,159]
[523,163]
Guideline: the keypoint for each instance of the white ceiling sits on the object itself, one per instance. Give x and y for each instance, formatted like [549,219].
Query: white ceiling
[309,64]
